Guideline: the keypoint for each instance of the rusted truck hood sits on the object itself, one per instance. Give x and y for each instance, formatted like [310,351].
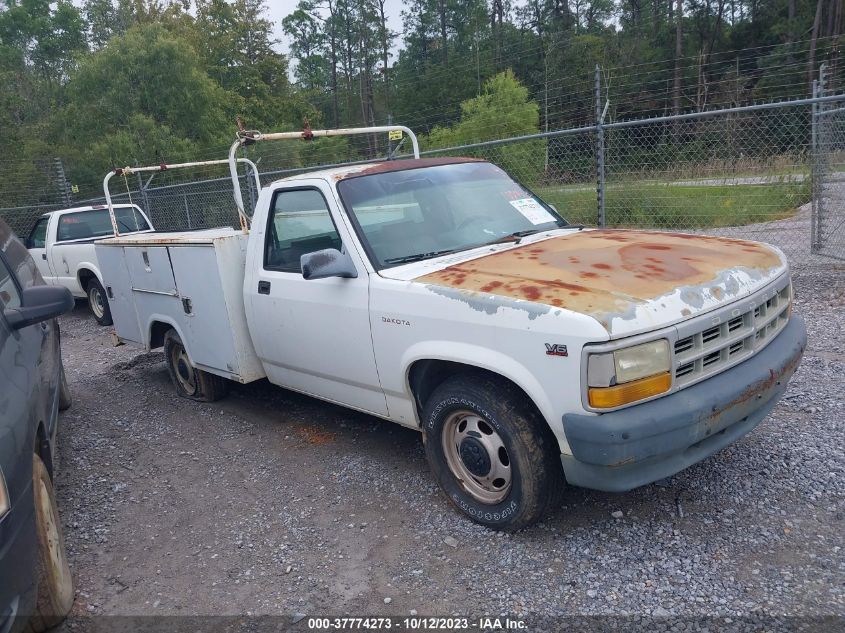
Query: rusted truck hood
[629,281]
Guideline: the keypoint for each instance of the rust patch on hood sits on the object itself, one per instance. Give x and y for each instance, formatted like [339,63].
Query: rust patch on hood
[607,272]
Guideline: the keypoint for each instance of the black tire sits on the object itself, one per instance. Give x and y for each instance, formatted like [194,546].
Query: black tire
[55,583]
[65,398]
[189,381]
[467,406]
[98,301]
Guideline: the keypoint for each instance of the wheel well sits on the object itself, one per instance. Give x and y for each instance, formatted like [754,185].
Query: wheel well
[85,277]
[157,331]
[427,374]
[42,448]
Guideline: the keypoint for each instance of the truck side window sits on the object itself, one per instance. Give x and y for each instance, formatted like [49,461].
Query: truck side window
[38,236]
[9,294]
[299,223]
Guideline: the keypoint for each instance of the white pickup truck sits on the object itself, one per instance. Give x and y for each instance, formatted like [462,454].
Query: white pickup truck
[442,295]
[62,245]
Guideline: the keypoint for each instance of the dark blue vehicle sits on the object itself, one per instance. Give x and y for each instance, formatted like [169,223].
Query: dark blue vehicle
[36,589]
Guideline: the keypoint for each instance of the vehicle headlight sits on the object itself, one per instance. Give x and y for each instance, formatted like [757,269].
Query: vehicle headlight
[629,374]
[5,505]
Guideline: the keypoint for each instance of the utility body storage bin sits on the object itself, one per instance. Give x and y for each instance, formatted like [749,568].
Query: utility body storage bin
[191,281]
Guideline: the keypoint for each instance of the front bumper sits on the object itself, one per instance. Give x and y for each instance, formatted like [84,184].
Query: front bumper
[624,449]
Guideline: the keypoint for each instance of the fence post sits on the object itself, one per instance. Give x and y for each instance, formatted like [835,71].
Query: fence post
[820,167]
[602,220]
[144,200]
[64,187]
[250,187]
[187,209]
[814,168]
[389,142]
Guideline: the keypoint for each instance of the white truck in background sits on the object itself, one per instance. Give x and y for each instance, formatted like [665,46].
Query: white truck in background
[444,296]
[62,245]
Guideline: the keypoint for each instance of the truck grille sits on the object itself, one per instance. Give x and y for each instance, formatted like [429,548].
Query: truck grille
[714,349]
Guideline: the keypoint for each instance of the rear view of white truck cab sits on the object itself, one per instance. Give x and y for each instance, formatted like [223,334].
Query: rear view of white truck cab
[444,296]
[62,245]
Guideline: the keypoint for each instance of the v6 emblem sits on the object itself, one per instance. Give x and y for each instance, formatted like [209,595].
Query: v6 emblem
[556,349]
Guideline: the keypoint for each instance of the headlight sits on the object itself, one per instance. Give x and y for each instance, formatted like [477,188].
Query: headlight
[5,506]
[629,374]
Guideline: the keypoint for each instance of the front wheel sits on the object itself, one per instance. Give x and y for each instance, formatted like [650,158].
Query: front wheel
[55,584]
[99,303]
[491,452]
[189,381]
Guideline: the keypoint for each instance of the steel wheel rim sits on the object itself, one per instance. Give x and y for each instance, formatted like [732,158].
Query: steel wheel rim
[185,374]
[477,457]
[95,300]
[51,529]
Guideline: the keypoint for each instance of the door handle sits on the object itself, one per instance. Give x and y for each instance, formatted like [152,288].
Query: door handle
[264,287]
[44,256]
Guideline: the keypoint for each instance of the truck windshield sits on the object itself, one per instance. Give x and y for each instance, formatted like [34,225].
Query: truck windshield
[414,214]
[96,223]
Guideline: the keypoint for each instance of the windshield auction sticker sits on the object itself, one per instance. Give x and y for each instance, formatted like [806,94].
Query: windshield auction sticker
[532,210]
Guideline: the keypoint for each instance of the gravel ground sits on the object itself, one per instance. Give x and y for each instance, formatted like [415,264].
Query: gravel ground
[270,502]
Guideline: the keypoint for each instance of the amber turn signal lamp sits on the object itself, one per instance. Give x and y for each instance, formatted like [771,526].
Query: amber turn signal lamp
[618,395]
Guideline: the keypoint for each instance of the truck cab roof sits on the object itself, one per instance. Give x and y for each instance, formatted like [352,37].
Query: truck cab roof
[94,207]
[365,169]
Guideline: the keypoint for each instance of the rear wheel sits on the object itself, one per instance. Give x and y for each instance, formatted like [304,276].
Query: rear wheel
[491,451]
[189,381]
[55,584]
[99,302]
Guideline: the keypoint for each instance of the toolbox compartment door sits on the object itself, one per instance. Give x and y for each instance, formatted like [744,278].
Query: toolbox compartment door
[118,287]
[204,317]
[150,269]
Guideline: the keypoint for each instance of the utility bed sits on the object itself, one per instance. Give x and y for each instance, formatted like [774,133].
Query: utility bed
[189,280]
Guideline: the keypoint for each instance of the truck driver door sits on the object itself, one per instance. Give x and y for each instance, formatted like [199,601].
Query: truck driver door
[37,245]
[311,335]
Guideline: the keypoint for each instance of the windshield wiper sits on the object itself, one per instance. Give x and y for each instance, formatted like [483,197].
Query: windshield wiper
[516,236]
[406,259]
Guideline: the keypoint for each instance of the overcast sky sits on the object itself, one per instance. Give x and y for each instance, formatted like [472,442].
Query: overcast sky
[278,9]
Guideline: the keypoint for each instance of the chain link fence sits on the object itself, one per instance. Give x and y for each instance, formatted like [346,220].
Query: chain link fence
[770,172]
[751,172]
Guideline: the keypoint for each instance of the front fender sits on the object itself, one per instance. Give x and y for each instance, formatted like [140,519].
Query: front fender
[492,361]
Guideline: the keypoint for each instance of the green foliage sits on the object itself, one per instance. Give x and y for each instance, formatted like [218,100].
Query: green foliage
[308,42]
[151,72]
[632,204]
[502,110]
[326,151]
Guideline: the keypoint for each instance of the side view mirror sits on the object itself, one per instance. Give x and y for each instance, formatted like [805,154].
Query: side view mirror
[39,303]
[553,207]
[328,262]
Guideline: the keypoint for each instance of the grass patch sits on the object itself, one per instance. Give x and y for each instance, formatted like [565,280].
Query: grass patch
[668,206]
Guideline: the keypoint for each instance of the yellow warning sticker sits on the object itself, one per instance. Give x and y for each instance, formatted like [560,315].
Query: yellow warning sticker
[395,135]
